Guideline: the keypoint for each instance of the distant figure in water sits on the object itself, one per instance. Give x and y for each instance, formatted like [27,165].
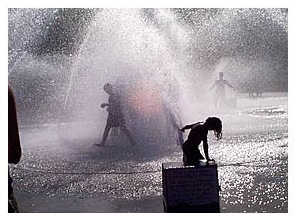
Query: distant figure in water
[115,117]
[14,147]
[220,96]
[198,133]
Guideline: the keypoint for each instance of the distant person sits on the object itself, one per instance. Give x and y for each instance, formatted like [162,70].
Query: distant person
[220,96]
[198,133]
[255,88]
[115,117]
[14,147]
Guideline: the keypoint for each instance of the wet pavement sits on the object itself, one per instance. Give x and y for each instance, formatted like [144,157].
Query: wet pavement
[62,171]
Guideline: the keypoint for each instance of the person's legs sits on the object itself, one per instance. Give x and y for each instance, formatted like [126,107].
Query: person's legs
[191,154]
[114,133]
[197,155]
[215,102]
[12,204]
[188,157]
[105,134]
[128,134]
[222,100]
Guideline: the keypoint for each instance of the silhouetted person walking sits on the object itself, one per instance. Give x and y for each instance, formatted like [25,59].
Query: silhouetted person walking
[14,147]
[220,96]
[198,133]
[115,117]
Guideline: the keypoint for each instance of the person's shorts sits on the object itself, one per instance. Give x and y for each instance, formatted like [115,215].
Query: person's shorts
[115,121]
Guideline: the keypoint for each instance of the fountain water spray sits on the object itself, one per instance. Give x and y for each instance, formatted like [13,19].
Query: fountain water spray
[161,61]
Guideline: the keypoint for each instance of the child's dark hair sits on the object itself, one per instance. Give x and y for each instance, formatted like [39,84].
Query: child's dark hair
[215,124]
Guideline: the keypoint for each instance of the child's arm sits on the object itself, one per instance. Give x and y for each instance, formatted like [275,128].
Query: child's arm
[104,105]
[205,146]
[227,83]
[188,127]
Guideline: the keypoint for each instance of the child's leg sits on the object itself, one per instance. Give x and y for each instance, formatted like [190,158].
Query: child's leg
[105,134]
[128,134]
[198,155]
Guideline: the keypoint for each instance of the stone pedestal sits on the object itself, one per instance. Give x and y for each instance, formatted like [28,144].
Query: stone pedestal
[190,188]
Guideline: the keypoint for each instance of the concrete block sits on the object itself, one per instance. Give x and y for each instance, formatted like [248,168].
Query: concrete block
[190,188]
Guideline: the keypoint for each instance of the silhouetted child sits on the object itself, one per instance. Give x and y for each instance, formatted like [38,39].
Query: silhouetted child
[14,147]
[115,117]
[198,133]
[220,96]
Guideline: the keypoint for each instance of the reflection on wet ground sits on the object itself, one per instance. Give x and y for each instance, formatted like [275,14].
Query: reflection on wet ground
[252,166]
